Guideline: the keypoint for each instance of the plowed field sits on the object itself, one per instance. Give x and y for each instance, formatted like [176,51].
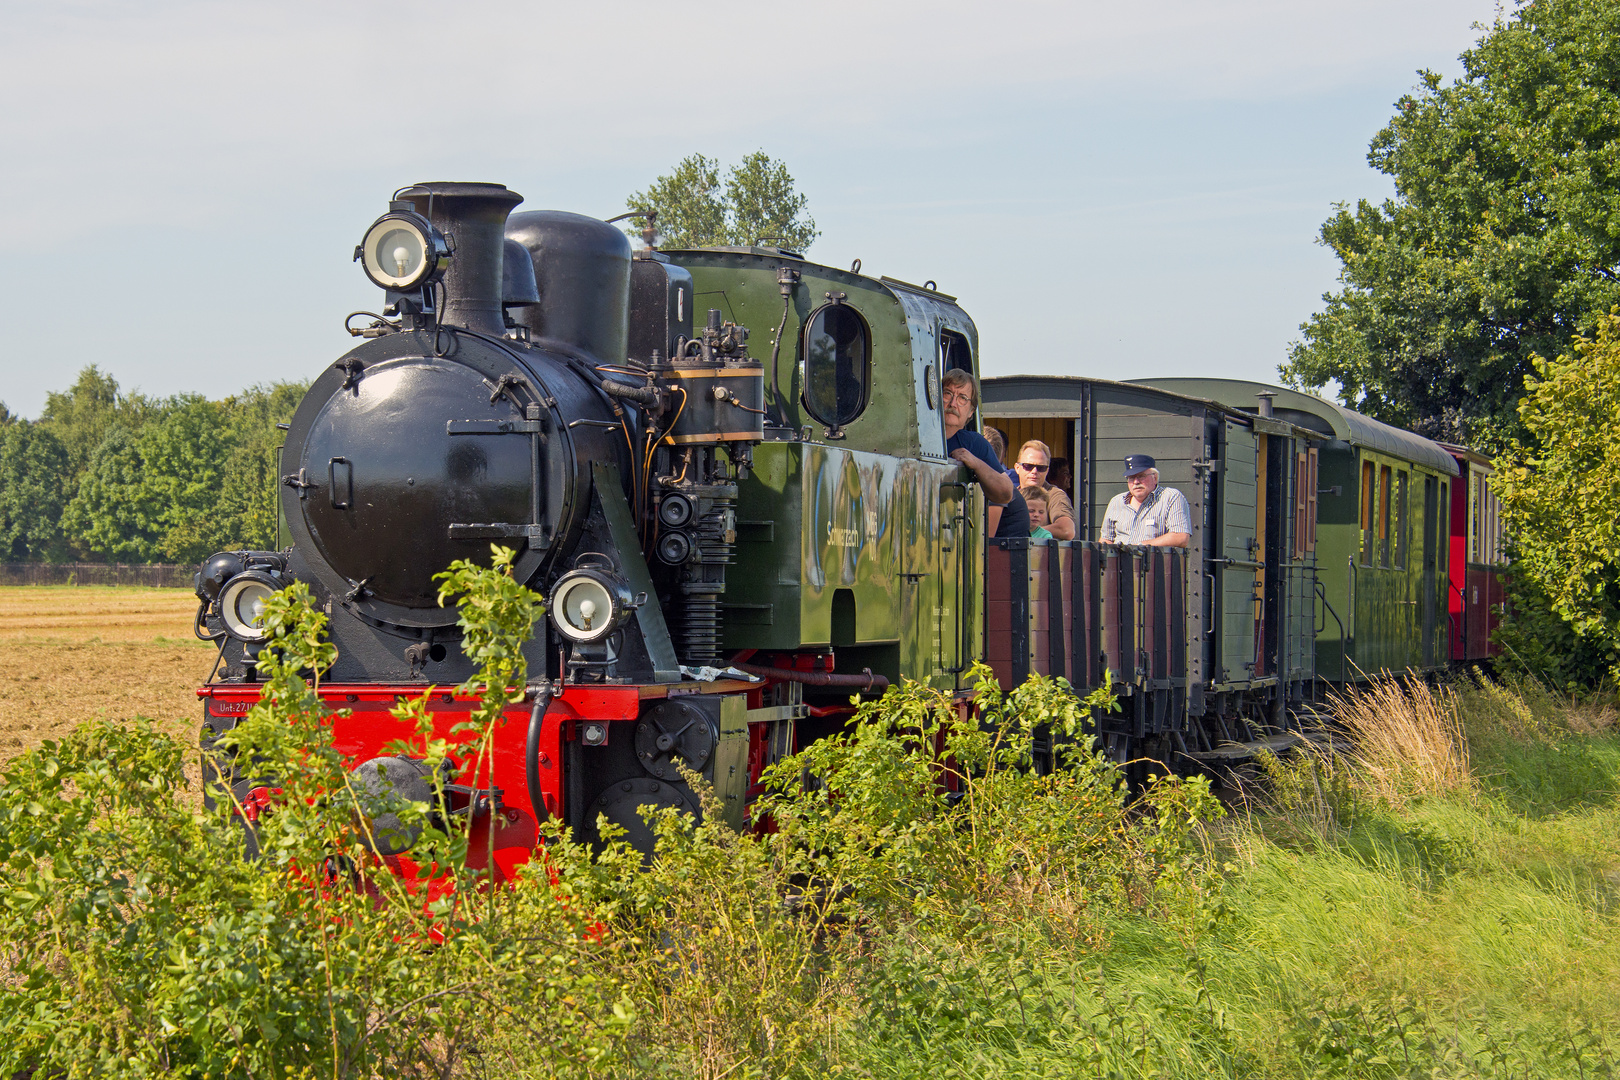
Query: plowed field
[70,654]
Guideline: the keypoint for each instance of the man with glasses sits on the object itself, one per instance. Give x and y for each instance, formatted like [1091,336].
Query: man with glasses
[959,393]
[1146,513]
[1034,463]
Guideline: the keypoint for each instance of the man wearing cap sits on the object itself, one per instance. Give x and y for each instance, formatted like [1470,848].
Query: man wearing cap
[1146,513]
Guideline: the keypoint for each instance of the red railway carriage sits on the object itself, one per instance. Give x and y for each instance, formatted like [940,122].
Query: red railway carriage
[1475,558]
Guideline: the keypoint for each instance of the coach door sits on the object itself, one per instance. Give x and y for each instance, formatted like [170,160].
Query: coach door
[1427,603]
[1237,564]
[1122,420]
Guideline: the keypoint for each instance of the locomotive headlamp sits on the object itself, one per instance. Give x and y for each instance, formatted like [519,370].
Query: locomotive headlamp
[402,251]
[589,604]
[241,603]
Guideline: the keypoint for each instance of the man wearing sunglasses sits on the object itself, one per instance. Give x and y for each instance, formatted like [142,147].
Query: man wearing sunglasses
[1034,463]
[1145,513]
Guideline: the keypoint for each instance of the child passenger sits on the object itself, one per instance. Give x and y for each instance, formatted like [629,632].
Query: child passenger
[1036,498]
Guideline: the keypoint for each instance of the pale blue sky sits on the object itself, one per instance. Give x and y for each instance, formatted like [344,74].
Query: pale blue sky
[1112,190]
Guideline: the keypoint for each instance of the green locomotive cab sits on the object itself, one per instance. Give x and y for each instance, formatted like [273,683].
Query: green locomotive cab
[857,536]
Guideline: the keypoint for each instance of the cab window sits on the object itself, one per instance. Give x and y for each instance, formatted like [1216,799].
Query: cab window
[837,364]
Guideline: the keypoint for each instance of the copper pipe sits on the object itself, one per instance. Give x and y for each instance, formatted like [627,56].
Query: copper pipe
[865,682]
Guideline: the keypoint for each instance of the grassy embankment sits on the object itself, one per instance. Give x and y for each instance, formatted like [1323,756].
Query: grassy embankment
[1442,903]
[1445,903]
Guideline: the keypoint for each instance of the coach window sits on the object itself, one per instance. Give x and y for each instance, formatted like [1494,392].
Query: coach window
[1312,505]
[1369,505]
[1401,520]
[1493,523]
[837,364]
[1383,517]
[1302,479]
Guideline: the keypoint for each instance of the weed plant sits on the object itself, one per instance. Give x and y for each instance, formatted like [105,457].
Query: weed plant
[1436,897]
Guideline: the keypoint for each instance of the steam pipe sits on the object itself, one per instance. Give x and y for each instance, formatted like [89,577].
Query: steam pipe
[642,395]
[866,682]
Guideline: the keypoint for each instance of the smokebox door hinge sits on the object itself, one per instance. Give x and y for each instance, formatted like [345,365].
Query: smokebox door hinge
[538,534]
[495,427]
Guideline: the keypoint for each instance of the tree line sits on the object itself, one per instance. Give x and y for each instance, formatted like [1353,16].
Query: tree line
[1481,305]
[104,475]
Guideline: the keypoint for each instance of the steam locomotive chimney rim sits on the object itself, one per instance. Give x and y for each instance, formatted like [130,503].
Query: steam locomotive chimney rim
[460,189]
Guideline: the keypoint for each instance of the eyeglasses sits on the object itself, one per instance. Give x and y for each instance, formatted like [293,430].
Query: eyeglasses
[1027,467]
[958,398]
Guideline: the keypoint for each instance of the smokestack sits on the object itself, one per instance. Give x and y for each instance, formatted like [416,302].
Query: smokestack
[474,217]
[1266,398]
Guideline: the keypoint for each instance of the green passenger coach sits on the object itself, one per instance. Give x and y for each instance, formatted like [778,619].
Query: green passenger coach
[1382,498]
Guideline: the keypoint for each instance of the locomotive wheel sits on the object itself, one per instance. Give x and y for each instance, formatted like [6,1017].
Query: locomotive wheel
[621,804]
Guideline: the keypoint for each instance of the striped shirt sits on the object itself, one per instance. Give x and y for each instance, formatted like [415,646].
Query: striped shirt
[1164,510]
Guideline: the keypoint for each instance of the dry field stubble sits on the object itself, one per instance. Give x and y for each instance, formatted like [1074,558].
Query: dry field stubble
[75,653]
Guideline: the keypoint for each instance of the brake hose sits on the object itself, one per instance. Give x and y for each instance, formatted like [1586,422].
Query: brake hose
[531,752]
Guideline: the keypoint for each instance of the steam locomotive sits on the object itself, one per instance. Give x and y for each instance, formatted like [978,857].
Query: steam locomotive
[726,470]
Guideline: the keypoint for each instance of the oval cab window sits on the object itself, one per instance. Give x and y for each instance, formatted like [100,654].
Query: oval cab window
[837,355]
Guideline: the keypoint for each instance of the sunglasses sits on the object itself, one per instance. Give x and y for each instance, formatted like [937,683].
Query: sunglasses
[1027,467]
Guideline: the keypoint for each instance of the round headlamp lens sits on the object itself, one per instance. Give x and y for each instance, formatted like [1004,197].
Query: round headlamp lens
[584,609]
[398,253]
[241,605]
[586,605]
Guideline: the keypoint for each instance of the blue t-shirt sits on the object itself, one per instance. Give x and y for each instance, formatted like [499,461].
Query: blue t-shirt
[1015,515]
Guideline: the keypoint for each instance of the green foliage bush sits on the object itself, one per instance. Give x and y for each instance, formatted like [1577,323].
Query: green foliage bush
[141,941]
[920,900]
[1560,492]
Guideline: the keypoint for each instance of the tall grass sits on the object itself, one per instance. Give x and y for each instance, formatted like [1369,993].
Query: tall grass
[1405,737]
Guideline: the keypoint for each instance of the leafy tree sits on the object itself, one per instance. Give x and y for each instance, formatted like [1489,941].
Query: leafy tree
[248,505]
[758,200]
[33,490]
[185,455]
[1502,241]
[152,494]
[689,202]
[106,515]
[1560,487]
[7,417]
[81,415]
[763,203]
